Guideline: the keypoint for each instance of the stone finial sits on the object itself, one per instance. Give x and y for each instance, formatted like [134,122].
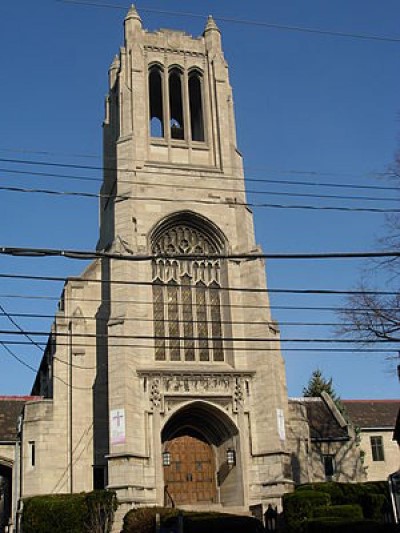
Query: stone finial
[211,25]
[133,14]
[212,36]
[115,63]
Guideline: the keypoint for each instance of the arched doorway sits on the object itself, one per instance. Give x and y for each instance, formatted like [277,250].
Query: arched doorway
[5,495]
[190,474]
[195,443]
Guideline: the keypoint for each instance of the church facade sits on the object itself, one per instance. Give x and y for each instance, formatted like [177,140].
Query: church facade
[163,378]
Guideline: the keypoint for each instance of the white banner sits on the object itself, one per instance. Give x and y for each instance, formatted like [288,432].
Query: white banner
[281,424]
[117,417]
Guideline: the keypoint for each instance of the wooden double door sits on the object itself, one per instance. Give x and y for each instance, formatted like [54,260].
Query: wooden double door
[190,477]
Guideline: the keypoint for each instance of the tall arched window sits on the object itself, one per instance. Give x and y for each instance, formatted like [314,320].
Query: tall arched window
[175,104]
[186,293]
[196,106]
[156,102]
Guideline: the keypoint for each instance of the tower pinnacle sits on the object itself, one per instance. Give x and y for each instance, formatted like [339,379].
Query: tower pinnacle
[211,24]
[133,14]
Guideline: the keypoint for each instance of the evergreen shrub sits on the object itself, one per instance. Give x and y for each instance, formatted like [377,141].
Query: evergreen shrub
[349,511]
[373,506]
[373,496]
[299,506]
[73,513]
[143,519]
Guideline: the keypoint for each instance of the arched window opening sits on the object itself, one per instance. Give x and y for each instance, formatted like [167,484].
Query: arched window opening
[187,296]
[175,105]
[115,110]
[156,103]
[196,107]
[215,307]
[159,320]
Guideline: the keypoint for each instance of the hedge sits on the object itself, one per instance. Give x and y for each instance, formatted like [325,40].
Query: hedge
[76,513]
[142,520]
[300,505]
[373,496]
[349,512]
[374,506]
[344,493]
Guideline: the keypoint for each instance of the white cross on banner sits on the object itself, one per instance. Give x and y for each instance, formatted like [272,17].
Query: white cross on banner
[117,426]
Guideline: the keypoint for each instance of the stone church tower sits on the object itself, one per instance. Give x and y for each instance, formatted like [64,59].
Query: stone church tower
[177,392]
[202,402]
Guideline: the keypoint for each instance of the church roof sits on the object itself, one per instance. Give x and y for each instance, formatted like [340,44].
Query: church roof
[10,409]
[324,420]
[372,413]
[323,423]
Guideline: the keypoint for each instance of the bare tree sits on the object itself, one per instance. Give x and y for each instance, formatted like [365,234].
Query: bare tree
[368,315]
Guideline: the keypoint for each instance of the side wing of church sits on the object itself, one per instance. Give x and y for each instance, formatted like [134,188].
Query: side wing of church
[163,378]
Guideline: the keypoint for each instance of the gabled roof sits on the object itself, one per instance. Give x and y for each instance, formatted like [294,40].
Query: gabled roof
[10,409]
[372,413]
[324,420]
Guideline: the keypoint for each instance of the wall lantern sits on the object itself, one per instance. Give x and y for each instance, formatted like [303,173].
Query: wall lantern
[166,458]
[231,457]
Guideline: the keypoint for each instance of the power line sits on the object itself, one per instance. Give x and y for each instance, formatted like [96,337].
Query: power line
[87,255]
[16,357]
[32,277]
[161,171]
[14,323]
[227,348]
[85,194]
[180,338]
[256,23]
[311,173]
[222,305]
[179,321]
[230,202]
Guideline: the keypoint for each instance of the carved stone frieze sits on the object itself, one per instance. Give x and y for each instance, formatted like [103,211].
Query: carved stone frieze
[166,387]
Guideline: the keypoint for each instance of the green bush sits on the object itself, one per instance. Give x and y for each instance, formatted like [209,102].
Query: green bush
[331,488]
[76,513]
[299,506]
[143,519]
[373,496]
[349,511]
[215,523]
[373,506]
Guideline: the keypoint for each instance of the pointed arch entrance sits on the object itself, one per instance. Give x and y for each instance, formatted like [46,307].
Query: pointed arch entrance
[195,442]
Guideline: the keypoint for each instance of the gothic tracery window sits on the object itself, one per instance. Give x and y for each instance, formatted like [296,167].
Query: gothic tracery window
[187,296]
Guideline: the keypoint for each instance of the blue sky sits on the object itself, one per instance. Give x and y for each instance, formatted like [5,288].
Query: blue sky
[309,107]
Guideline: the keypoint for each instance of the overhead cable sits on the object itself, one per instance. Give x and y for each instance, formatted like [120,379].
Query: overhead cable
[247,22]
[85,255]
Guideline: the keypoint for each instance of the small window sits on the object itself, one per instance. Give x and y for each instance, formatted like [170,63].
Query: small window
[329,466]
[32,452]
[377,449]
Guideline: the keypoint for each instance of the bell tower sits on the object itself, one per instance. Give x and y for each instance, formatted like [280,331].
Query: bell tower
[196,382]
